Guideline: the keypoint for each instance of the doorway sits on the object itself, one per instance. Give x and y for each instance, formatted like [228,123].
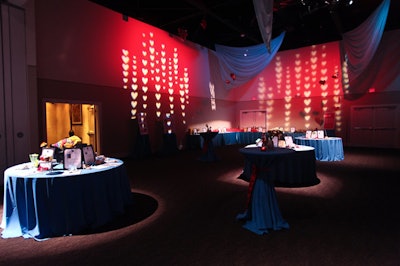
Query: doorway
[81,118]
[375,126]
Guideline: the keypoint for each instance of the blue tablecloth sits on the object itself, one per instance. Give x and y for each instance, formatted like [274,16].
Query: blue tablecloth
[326,149]
[38,205]
[265,169]
[232,138]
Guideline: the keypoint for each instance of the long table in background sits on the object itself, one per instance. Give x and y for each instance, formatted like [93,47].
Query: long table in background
[229,138]
[40,205]
[267,169]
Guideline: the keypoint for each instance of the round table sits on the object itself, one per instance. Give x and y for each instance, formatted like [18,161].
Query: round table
[326,149]
[266,169]
[46,204]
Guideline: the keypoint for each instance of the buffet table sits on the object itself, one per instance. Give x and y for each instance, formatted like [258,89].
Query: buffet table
[232,138]
[46,204]
[326,149]
[266,169]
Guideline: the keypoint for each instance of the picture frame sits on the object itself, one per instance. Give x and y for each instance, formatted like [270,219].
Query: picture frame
[72,158]
[89,157]
[48,153]
[289,141]
[76,114]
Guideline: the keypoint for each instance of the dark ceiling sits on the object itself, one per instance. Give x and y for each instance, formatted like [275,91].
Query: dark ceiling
[233,22]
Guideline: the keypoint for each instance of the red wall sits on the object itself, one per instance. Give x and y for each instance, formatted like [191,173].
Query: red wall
[86,52]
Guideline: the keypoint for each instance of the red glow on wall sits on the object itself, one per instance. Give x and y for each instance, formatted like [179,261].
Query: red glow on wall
[154,69]
[305,82]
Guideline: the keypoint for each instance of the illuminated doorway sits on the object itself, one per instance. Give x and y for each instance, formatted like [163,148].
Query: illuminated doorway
[82,118]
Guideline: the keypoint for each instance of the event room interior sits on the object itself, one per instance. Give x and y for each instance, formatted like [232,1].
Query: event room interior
[200,132]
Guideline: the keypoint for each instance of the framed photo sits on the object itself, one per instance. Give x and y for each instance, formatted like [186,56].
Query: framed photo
[76,114]
[88,155]
[289,141]
[320,134]
[72,158]
[48,153]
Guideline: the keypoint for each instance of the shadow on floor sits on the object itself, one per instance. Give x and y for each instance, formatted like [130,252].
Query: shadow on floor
[143,207]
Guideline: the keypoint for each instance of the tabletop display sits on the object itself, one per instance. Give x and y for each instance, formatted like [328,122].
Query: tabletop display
[59,202]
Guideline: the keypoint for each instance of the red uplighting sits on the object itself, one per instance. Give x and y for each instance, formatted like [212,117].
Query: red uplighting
[154,67]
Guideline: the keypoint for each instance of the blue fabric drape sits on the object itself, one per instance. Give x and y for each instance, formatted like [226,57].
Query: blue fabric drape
[238,65]
[360,44]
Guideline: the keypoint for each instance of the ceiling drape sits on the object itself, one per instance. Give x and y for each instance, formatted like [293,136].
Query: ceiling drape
[264,13]
[238,65]
[359,45]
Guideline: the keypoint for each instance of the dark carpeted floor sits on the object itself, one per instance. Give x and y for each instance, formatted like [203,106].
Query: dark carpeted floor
[184,214]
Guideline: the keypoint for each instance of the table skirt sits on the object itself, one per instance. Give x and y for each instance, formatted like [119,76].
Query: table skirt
[263,212]
[46,207]
[328,149]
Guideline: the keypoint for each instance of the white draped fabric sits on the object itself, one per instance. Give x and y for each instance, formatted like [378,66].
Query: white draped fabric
[238,65]
[264,13]
[360,44]
[383,73]
[235,66]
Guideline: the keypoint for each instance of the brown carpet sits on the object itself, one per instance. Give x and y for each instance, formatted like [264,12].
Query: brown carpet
[184,214]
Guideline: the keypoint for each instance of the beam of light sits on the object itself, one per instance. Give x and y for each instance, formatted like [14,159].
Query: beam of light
[288,99]
[212,96]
